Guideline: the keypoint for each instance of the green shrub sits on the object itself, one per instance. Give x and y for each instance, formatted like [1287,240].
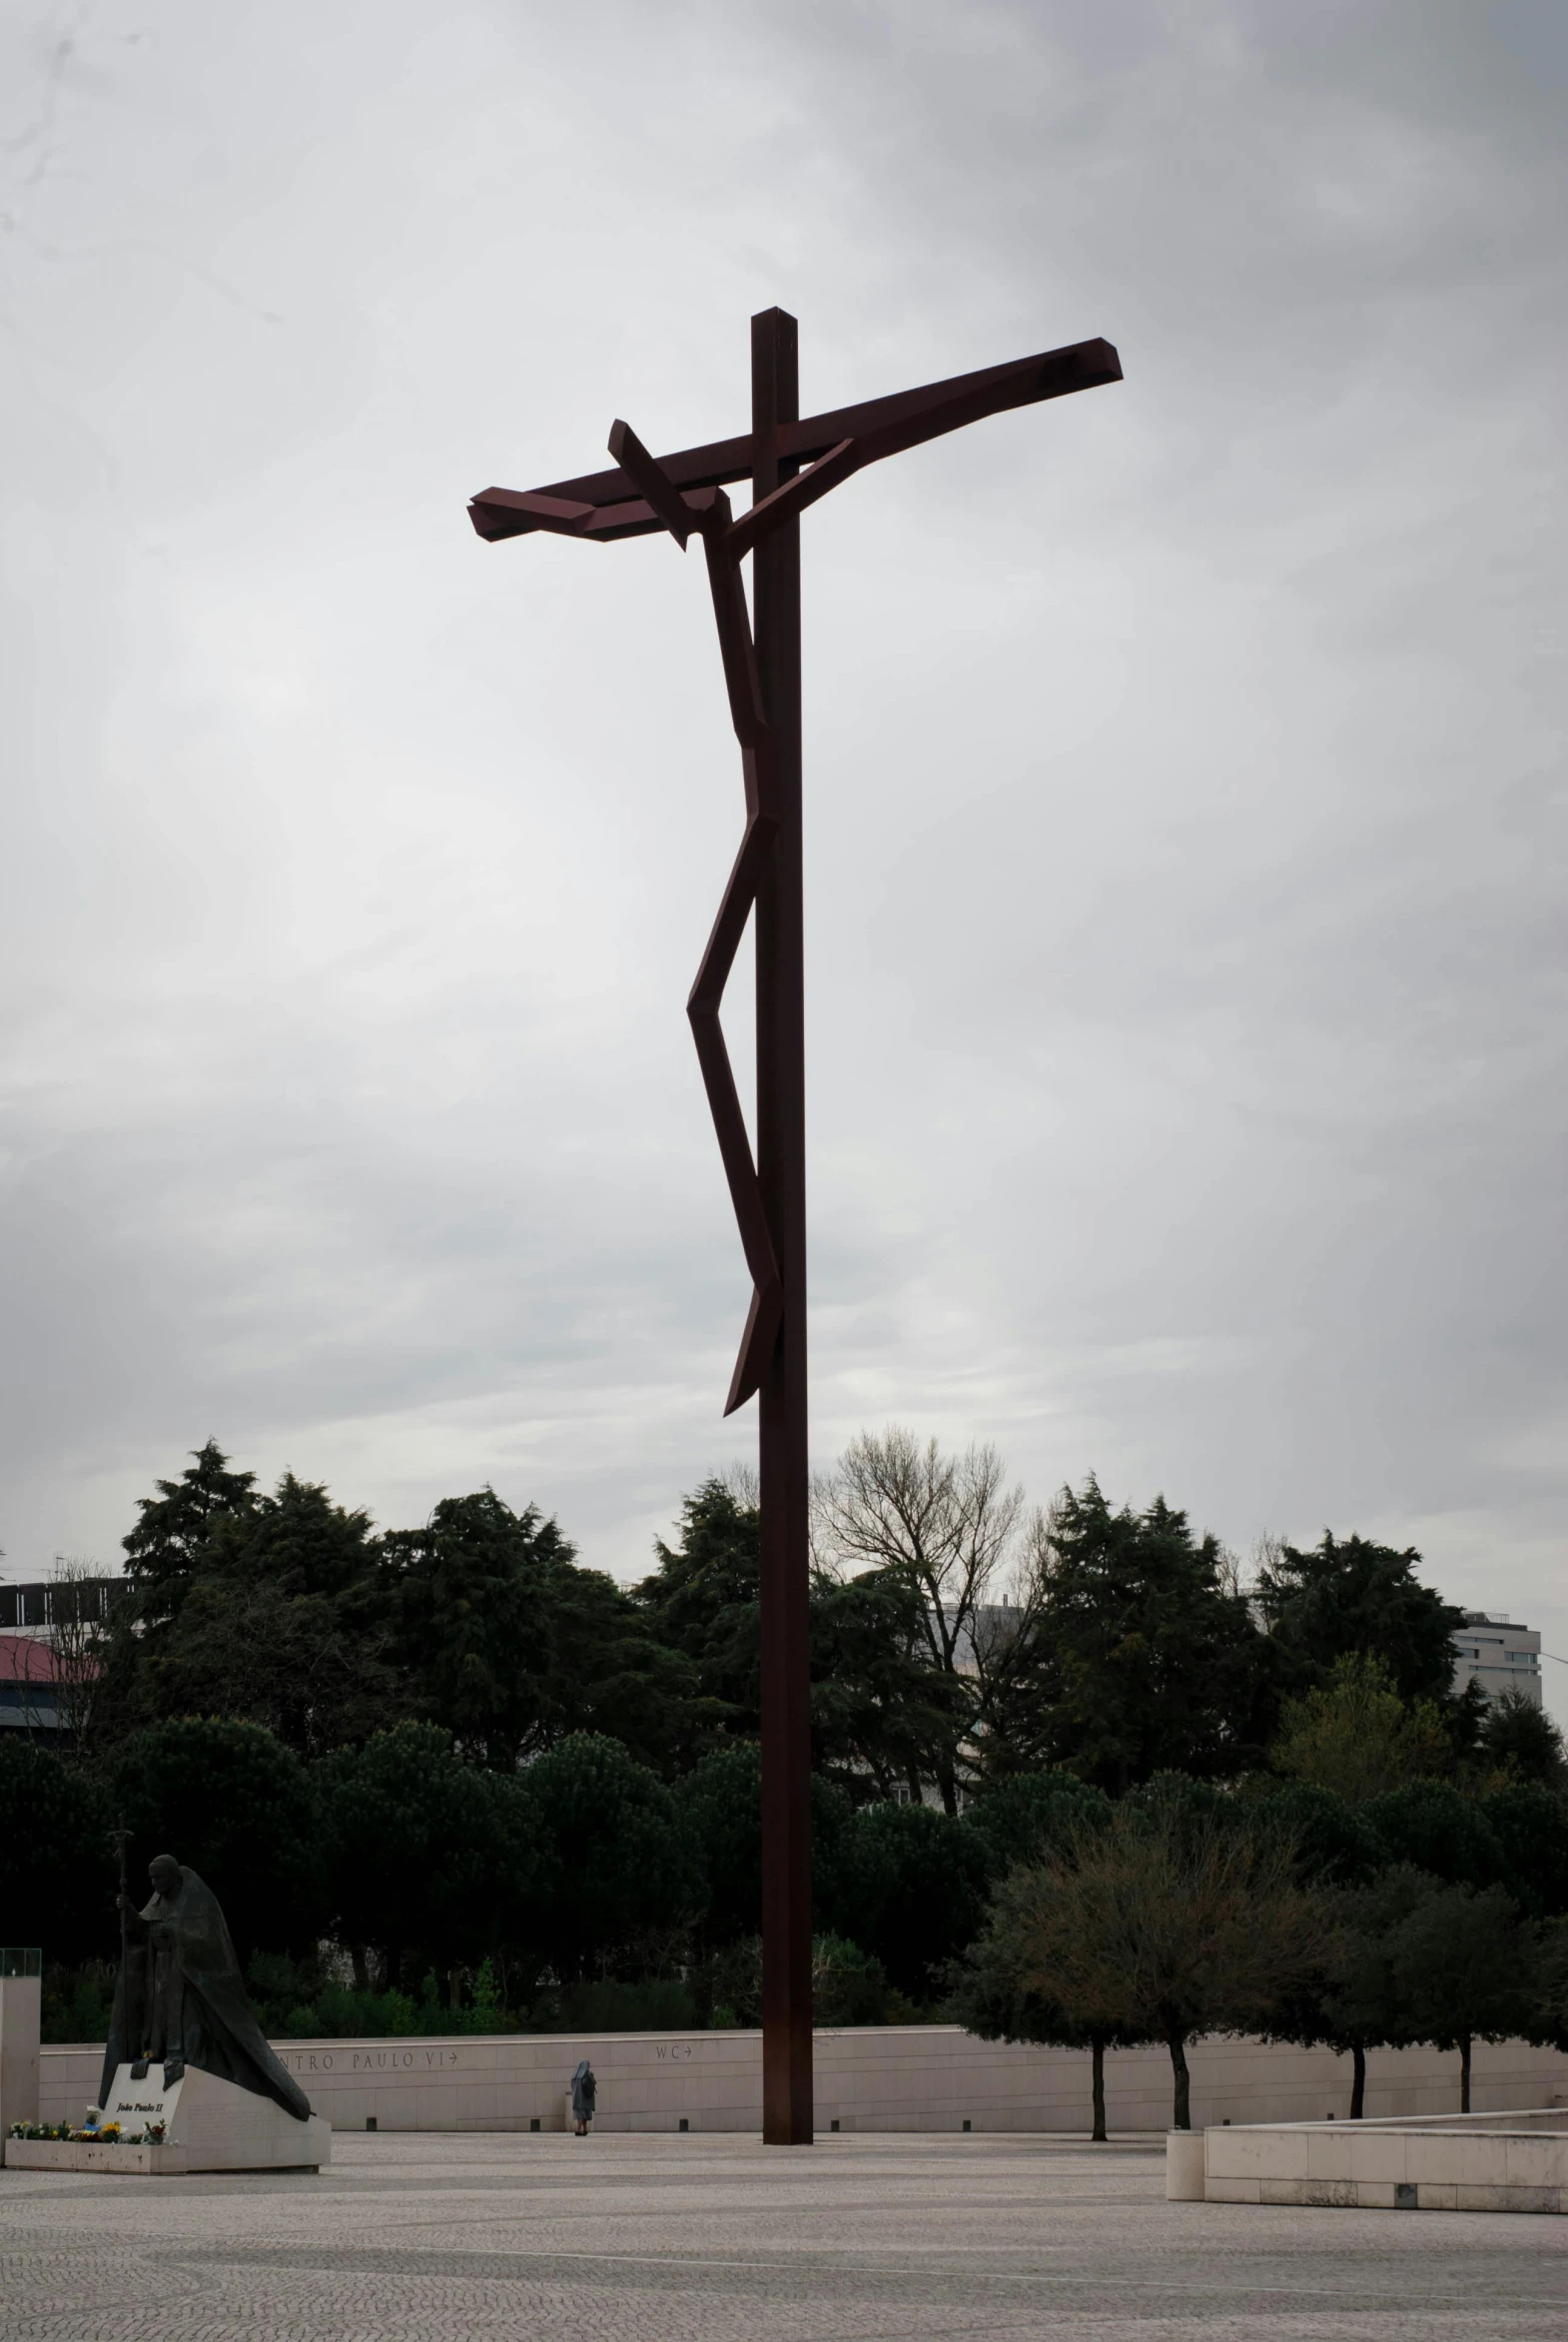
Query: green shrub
[77,2002]
[665,2004]
[56,1860]
[848,1985]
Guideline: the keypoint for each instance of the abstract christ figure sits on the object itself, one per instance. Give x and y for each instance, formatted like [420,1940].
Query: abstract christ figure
[791,462]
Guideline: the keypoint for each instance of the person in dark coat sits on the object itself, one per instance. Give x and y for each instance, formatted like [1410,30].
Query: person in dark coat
[180,1999]
[584,2092]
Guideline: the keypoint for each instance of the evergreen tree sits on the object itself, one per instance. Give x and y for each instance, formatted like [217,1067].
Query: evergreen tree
[1149,1661]
[56,1857]
[1549,2016]
[1434,1827]
[508,1643]
[1519,1738]
[622,1876]
[232,1801]
[912,1884]
[1529,1829]
[1335,1847]
[1465,1964]
[167,1550]
[427,1861]
[1026,1816]
[720,1801]
[884,1719]
[1350,1595]
[705,1601]
[279,1621]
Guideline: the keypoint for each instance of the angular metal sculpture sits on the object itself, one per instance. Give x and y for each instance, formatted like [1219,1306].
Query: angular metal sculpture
[685,494]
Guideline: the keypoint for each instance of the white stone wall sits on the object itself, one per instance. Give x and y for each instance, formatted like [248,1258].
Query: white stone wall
[19,2052]
[1446,2165]
[875,2077]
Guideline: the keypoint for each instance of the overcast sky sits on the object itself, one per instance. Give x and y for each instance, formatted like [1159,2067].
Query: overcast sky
[1184,761]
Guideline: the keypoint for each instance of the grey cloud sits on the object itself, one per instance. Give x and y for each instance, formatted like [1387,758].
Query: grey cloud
[1186,797]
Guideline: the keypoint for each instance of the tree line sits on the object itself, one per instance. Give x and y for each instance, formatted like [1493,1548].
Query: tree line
[1419,1915]
[450,1773]
[957,1637]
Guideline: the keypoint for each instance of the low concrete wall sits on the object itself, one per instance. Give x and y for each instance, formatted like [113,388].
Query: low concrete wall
[875,2077]
[19,2052]
[1516,2162]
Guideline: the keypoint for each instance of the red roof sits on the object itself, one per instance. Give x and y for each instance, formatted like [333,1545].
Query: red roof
[25,1659]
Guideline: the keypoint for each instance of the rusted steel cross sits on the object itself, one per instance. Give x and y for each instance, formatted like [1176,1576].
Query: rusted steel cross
[790,463]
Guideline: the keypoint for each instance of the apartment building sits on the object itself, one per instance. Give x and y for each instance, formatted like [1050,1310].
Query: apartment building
[1498,1655]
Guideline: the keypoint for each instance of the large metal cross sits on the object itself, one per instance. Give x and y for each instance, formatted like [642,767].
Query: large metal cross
[684,493]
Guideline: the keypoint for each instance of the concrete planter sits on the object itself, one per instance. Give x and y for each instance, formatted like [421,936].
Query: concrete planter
[208,2125]
[1508,2162]
[69,2155]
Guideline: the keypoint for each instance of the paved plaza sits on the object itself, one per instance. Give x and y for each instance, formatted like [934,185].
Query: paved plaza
[639,2239]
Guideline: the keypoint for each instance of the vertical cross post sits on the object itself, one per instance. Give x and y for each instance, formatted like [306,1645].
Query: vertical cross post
[781,1170]
[792,462]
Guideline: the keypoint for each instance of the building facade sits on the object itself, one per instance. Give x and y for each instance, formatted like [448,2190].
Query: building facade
[47,1654]
[29,1695]
[1497,1655]
[35,1609]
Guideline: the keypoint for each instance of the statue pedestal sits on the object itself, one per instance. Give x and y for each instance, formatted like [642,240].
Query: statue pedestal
[208,2125]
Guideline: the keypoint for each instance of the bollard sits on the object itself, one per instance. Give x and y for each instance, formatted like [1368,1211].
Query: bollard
[1184,2166]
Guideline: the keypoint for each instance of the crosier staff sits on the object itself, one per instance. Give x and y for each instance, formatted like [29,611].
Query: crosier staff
[122,1839]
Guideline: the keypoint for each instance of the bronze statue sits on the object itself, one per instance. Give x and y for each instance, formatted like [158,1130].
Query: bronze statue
[180,1999]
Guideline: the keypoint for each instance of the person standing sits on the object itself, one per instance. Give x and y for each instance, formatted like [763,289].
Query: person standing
[584,2093]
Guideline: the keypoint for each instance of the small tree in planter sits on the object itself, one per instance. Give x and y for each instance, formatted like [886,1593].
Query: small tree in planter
[1021,1822]
[1355,2002]
[1464,1965]
[987,1999]
[1170,1921]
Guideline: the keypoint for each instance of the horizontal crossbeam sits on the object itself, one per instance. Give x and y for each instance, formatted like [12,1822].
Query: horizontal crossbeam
[610,505]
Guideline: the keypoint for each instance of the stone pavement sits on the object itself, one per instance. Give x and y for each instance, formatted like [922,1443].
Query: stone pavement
[443,2238]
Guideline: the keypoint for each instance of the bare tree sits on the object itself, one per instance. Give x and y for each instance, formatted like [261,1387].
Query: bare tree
[948,1526]
[744,1483]
[1231,1573]
[74,1643]
[1268,1552]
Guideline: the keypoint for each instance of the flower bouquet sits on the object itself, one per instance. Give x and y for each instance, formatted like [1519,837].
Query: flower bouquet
[109,2135]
